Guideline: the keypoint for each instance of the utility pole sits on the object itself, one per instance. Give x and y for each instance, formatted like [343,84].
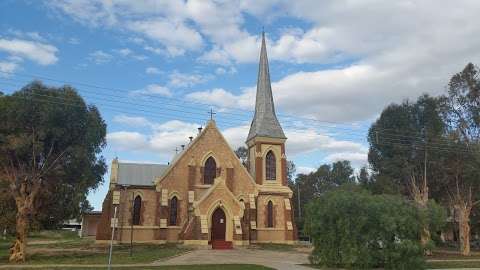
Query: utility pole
[111,240]
[115,202]
[425,163]
[298,199]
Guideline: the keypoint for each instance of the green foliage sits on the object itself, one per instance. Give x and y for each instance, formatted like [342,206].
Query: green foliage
[436,219]
[312,185]
[397,144]
[356,230]
[7,209]
[242,154]
[51,138]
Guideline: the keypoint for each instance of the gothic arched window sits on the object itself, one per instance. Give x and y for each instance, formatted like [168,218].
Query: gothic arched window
[209,171]
[270,214]
[270,166]
[173,211]
[137,207]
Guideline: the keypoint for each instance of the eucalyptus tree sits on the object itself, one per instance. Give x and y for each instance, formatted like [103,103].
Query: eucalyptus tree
[462,171]
[50,141]
[405,151]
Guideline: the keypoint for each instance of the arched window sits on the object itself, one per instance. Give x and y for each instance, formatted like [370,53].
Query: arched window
[270,166]
[137,207]
[270,214]
[173,211]
[209,171]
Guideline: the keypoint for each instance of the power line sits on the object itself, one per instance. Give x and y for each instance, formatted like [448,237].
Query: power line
[34,76]
[390,140]
[362,135]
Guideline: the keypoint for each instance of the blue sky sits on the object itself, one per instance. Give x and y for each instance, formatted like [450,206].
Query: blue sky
[154,68]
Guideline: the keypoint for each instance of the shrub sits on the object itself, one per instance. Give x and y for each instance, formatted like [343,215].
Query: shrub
[353,229]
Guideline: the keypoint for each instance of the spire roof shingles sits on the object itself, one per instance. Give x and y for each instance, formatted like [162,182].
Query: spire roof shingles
[265,122]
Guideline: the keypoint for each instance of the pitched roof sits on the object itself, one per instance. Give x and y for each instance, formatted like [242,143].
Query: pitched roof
[138,174]
[265,122]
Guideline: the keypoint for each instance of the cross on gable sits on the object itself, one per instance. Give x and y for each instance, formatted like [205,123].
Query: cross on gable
[211,114]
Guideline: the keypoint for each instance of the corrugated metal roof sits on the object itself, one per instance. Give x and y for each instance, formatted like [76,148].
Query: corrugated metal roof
[139,174]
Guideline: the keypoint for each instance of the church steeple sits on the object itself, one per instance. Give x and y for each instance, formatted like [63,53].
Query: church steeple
[265,122]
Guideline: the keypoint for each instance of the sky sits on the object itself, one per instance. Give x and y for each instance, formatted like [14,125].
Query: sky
[155,68]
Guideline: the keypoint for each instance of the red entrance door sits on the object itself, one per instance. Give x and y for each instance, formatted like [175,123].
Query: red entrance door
[218,225]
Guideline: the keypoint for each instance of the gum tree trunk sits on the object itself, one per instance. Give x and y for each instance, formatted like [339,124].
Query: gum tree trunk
[464,229]
[419,194]
[18,250]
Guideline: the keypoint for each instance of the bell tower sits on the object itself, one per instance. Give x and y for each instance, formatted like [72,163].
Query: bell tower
[266,140]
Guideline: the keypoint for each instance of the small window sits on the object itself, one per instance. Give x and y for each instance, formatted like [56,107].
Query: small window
[137,207]
[173,211]
[270,214]
[209,171]
[270,166]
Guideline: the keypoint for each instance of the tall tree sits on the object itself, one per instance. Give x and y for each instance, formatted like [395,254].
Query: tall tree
[242,154]
[312,185]
[402,150]
[49,140]
[462,116]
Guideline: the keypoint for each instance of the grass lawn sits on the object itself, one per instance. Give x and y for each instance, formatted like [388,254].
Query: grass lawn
[67,248]
[185,267]
[453,264]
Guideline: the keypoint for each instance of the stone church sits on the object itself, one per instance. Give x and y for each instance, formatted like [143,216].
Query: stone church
[205,195]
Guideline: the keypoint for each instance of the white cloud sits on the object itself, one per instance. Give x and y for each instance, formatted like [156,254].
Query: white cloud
[7,67]
[176,37]
[42,53]
[304,170]
[370,64]
[357,159]
[100,57]
[28,35]
[222,71]
[153,70]
[178,79]
[134,121]
[73,41]
[153,89]
[223,98]
[128,53]
[125,140]
[163,138]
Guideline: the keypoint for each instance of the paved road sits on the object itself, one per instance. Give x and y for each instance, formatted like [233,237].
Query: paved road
[275,259]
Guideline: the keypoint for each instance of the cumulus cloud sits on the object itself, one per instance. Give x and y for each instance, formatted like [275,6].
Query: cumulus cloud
[153,70]
[7,67]
[178,79]
[128,53]
[126,140]
[164,137]
[224,98]
[135,121]
[222,71]
[100,57]
[41,53]
[375,55]
[357,159]
[176,37]
[305,170]
[153,89]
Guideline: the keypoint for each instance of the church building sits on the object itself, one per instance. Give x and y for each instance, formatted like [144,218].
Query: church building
[205,195]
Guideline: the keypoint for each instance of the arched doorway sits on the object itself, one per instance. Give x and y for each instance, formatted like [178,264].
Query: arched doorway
[219,225]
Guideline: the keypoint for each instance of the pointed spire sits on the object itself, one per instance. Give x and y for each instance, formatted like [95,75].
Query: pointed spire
[265,122]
